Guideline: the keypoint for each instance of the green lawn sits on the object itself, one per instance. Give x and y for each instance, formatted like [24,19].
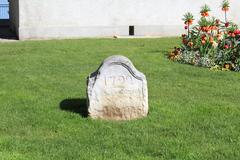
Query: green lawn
[194,112]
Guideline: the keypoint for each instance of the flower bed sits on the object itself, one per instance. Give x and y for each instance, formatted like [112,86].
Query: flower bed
[211,43]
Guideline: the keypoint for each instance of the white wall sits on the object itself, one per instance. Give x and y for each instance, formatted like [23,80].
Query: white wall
[90,18]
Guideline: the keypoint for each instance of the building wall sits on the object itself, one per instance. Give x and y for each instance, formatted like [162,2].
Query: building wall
[96,18]
[14,15]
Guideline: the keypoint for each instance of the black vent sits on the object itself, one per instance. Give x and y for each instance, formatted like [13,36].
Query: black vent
[131,30]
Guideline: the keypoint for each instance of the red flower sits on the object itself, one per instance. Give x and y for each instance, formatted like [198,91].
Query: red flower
[189,22]
[203,42]
[237,32]
[184,41]
[205,14]
[227,24]
[211,39]
[217,21]
[184,35]
[190,44]
[226,46]
[186,27]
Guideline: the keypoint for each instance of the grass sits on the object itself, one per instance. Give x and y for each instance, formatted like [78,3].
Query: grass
[194,112]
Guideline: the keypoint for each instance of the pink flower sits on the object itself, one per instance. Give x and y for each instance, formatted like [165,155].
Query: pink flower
[226,46]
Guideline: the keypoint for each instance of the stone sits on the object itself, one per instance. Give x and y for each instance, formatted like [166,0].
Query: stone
[117,91]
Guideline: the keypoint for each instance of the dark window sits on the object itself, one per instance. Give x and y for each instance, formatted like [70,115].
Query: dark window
[131,30]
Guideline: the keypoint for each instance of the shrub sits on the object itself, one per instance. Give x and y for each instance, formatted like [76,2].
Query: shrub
[211,42]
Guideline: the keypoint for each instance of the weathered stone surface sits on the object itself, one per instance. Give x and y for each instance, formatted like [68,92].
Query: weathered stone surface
[117,91]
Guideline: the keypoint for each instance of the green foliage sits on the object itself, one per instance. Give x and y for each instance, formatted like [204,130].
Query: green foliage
[205,8]
[225,4]
[188,17]
[203,22]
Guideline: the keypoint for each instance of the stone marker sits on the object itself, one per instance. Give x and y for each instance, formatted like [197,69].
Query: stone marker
[117,91]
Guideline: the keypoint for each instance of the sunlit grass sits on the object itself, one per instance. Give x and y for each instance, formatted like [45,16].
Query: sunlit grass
[194,112]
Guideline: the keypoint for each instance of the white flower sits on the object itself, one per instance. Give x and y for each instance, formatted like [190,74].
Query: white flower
[215,44]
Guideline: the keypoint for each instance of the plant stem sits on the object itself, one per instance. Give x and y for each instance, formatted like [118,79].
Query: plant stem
[225,16]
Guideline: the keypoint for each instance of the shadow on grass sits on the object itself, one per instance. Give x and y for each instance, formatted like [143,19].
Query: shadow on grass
[78,106]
